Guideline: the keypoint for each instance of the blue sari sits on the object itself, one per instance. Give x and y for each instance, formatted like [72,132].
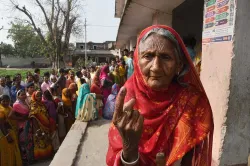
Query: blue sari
[110,104]
[130,67]
[86,106]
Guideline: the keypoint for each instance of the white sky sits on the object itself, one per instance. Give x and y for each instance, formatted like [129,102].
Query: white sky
[97,12]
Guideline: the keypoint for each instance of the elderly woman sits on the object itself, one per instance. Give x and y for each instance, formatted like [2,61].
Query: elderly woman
[166,118]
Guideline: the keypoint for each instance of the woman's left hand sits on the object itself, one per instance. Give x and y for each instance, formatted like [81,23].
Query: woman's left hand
[129,123]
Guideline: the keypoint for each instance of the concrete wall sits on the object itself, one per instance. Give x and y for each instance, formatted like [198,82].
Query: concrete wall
[188,18]
[162,18]
[225,76]
[19,62]
[215,76]
[237,139]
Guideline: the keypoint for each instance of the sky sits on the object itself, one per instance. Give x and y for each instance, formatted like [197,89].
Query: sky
[102,26]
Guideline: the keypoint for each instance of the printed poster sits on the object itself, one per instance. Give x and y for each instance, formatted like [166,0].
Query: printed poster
[218,22]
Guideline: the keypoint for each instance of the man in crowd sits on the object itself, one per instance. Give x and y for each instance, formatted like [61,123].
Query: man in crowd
[46,84]
[112,66]
[16,87]
[4,89]
[29,91]
[61,82]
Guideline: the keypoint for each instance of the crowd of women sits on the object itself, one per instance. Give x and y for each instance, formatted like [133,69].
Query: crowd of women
[36,113]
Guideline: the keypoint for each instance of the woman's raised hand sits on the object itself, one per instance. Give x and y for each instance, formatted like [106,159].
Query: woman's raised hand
[129,123]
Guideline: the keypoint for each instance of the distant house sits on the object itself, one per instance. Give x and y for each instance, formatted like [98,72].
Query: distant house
[97,52]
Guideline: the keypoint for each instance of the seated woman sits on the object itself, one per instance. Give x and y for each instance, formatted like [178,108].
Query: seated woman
[95,88]
[86,109]
[9,151]
[68,109]
[43,127]
[110,104]
[20,114]
[166,118]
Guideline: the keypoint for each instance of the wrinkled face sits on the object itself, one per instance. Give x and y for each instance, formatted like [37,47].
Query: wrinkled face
[38,96]
[2,82]
[158,62]
[22,96]
[5,103]
[31,90]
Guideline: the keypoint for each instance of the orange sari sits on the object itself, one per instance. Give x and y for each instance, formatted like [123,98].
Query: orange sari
[177,121]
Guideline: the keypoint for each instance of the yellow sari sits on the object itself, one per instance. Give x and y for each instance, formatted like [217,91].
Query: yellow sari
[42,143]
[9,152]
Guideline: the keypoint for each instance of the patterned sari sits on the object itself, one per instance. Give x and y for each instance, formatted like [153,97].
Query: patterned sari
[42,142]
[24,132]
[86,109]
[9,152]
[110,104]
[177,122]
[95,88]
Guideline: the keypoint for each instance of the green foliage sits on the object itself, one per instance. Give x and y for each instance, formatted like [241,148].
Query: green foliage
[26,42]
[6,49]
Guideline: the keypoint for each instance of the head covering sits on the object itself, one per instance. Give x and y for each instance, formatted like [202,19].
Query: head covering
[66,100]
[73,88]
[104,73]
[84,90]
[33,98]
[176,120]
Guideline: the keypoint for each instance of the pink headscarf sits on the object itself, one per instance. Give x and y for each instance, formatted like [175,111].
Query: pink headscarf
[104,73]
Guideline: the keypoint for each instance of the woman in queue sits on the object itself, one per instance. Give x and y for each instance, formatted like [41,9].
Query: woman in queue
[162,115]
[9,151]
[43,127]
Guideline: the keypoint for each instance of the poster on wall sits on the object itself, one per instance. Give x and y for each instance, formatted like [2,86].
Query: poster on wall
[218,22]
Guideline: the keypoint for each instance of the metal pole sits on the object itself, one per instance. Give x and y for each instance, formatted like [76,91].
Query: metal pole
[86,57]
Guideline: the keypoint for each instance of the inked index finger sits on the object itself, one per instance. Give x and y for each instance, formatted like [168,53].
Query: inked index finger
[119,104]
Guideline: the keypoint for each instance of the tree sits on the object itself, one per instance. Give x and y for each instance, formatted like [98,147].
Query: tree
[26,42]
[5,49]
[61,18]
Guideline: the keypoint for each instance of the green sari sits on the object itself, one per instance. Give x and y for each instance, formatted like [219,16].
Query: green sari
[86,106]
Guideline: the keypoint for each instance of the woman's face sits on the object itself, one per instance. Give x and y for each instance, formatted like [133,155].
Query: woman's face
[5,103]
[22,96]
[38,96]
[158,62]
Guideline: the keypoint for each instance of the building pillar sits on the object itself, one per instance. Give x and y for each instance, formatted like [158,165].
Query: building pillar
[162,18]
[132,43]
[225,75]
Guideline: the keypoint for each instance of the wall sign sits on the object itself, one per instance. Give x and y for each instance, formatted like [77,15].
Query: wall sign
[218,22]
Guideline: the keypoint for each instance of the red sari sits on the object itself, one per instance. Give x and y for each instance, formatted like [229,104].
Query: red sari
[176,120]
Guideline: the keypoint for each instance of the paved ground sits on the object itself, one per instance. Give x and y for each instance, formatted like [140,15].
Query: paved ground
[94,146]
